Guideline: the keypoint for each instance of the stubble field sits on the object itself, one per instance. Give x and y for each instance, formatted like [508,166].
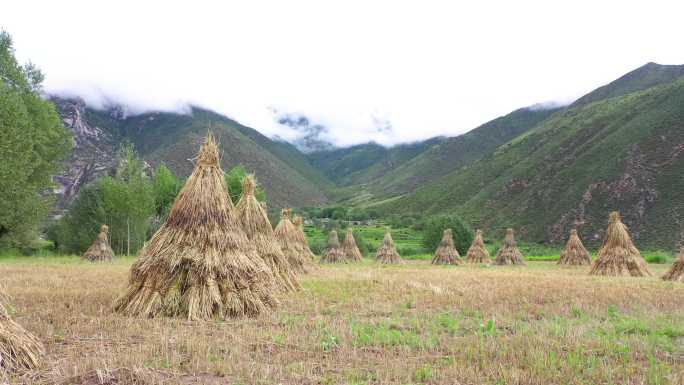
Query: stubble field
[363,324]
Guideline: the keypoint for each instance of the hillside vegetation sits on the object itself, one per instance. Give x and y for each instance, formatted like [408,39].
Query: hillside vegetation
[622,153]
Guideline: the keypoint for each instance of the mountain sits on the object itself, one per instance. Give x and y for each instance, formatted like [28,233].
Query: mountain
[620,147]
[172,138]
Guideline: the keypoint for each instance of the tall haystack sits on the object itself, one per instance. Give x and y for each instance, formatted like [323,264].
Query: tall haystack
[259,230]
[477,252]
[446,253]
[574,252]
[349,247]
[333,252]
[19,349]
[387,253]
[100,249]
[200,263]
[301,236]
[676,272]
[298,255]
[508,253]
[618,256]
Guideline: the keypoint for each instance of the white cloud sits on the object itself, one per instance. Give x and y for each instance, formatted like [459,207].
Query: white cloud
[428,68]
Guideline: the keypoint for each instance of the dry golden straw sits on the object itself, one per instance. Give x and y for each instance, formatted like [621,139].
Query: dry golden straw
[100,249]
[333,252]
[19,349]
[350,249]
[477,253]
[508,253]
[200,263]
[290,239]
[574,252]
[446,253]
[258,228]
[676,272]
[301,236]
[387,253]
[618,256]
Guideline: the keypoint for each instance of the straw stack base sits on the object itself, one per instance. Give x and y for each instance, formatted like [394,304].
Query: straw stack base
[19,349]
[620,263]
[676,272]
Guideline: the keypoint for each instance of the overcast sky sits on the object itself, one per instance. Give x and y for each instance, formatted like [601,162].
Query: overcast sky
[420,68]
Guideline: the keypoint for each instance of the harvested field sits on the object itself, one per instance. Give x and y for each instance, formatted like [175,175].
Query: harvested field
[364,324]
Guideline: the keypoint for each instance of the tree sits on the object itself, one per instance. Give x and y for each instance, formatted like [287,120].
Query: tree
[165,187]
[33,142]
[125,202]
[234,181]
[434,228]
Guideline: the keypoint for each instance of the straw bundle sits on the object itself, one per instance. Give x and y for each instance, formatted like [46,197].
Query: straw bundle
[19,349]
[350,249]
[199,264]
[258,229]
[387,253]
[100,249]
[617,255]
[574,252]
[446,253]
[509,254]
[477,253]
[676,272]
[301,236]
[298,255]
[333,252]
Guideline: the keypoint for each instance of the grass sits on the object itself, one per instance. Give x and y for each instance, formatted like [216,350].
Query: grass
[364,324]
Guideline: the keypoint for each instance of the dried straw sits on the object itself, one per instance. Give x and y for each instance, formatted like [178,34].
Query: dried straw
[200,263]
[298,255]
[509,254]
[350,249]
[676,272]
[259,230]
[100,249]
[446,253]
[301,236]
[477,252]
[333,252]
[19,349]
[574,252]
[387,253]
[618,256]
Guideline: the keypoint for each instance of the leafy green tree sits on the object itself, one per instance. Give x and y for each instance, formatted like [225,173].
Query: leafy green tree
[234,181]
[166,186]
[33,142]
[434,228]
[125,202]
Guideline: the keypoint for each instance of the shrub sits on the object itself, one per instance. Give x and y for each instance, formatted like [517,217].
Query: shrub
[434,228]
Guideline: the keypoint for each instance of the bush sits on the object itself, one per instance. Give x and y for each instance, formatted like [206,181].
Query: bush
[317,246]
[434,228]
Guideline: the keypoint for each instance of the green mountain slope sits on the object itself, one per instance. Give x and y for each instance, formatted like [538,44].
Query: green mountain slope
[288,177]
[453,153]
[624,153]
[365,162]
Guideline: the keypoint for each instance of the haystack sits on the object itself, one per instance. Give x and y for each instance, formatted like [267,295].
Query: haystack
[446,253]
[333,252]
[387,253]
[259,230]
[574,252]
[477,252]
[618,256]
[350,249]
[676,272]
[200,263]
[301,236]
[298,255]
[19,349]
[100,249]
[508,253]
